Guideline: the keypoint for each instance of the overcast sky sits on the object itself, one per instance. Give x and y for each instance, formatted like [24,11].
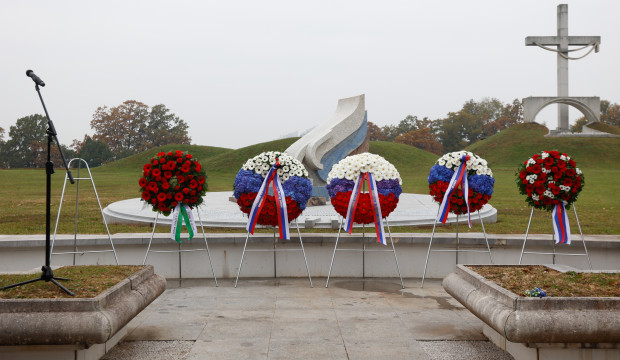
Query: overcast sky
[243,72]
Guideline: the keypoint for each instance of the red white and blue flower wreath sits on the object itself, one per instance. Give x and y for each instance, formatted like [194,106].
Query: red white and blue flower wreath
[464,169]
[254,179]
[344,183]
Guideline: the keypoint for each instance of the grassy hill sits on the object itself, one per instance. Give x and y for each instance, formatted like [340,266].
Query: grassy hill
[138,160]
[612,129]
[516,144]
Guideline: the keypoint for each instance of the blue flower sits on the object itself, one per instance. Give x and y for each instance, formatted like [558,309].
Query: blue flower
[299,189]
[247,181]
[387,187]
[439,172]
[339,185]
[384,187]
[481,184]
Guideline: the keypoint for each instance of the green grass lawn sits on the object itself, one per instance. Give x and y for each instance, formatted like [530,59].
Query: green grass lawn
[22,198]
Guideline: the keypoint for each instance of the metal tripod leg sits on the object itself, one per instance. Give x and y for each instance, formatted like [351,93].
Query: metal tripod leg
[301,242]
[151,239]
[582,239]
[429,249]
[334,254]
[242,255]
[485,237]
[204,236]
[526,233]
[394,250]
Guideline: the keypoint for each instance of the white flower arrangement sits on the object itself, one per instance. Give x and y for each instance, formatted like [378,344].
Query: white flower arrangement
[290,166]
[475,163]
[350,168]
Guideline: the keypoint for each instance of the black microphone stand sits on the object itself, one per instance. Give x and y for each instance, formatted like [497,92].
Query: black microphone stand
[47,274]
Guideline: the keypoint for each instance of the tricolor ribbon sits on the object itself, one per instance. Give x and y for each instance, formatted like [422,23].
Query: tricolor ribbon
[259,202]
[459,178]
[561,228]
[374,202]
[182,213]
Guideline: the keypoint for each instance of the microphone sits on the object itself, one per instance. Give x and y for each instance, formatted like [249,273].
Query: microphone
[37,80]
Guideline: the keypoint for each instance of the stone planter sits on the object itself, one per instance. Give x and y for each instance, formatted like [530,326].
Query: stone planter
[534,328]
[47,325]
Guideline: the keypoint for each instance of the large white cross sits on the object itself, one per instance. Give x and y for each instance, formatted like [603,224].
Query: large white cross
[563,41]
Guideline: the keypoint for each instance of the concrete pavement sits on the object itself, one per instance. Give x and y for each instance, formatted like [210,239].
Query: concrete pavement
[284,318]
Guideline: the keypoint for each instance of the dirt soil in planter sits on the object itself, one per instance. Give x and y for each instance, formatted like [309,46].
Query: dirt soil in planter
[86,282]
[518,279]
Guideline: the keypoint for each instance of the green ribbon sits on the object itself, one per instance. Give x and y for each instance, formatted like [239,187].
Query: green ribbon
[183,217]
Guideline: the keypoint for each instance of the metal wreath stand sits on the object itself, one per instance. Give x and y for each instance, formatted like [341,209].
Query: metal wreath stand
[364,250]
[458,249]
[275,250]
[179,250]
[554,253]
[77,197]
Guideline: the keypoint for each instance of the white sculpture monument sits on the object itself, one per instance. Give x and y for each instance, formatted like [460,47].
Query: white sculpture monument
[589,106]
[344,134]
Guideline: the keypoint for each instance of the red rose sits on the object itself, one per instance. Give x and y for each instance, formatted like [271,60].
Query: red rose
[529,188]
[171,164]
[161,153]
[142,182]
[178,196]
[147,167]
[156,172]
[146,195]
[161,197]
[165,185]
[188,156]
[522,174]
[168,174]
[185,190]
[548,161]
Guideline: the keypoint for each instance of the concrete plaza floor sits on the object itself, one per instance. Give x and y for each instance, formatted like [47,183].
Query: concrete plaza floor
[284,318]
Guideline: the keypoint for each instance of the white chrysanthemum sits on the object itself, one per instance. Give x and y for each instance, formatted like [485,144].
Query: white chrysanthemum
[352,166]
[475,163]
[264,161]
